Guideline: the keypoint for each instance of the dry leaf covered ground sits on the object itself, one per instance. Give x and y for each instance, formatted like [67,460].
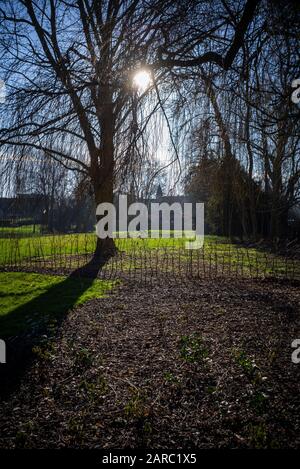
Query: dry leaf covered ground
[204,364]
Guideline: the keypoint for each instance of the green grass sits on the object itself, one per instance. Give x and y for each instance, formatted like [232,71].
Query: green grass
[23,230]
[192,349]
[27,298]
[30,300]
[80,243]
[218,251]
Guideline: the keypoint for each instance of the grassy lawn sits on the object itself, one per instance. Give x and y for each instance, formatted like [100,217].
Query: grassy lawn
[218,251]
[22,230]
[77,243]
[19,249]
[28,300]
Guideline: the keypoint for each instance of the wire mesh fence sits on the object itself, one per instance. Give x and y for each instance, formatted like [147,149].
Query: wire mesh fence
[146,259]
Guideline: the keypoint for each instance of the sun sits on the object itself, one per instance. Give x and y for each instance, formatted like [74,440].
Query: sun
[142,80]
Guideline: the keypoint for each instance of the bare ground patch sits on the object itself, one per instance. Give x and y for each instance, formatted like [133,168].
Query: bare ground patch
[201,364]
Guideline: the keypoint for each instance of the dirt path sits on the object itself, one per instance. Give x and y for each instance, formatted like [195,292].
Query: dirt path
[204,364]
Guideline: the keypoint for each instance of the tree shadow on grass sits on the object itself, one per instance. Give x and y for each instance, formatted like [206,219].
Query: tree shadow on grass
[39,319]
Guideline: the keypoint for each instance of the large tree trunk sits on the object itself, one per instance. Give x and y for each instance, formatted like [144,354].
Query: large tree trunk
[105,248]
[103,173]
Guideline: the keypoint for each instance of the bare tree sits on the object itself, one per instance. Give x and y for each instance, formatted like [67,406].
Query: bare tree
[256,121]
[69,68]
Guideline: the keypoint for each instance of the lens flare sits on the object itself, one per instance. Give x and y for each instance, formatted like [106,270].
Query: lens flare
[142,80]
